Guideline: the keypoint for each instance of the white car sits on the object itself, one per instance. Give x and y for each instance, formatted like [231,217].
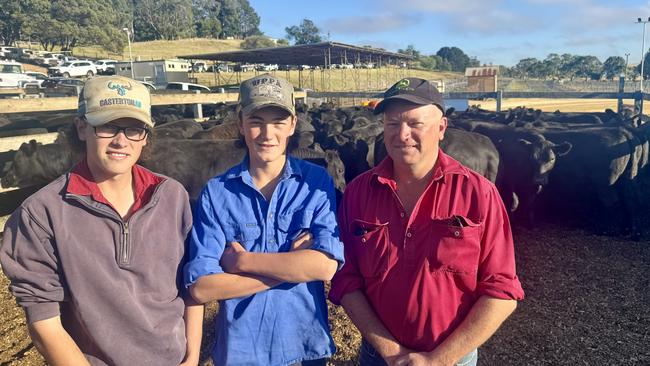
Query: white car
[74,68]
[176,85]
[38,79]
[11,74]
[105,66]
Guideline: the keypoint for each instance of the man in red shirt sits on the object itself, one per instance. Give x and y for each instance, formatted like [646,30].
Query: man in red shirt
[430,268]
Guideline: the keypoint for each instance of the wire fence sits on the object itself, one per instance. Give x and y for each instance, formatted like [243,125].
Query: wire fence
[529,85]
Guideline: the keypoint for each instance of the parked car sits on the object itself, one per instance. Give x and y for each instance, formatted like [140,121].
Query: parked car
[27,54]
[149,85]
[8,53]
[105,67]
[176,85]
[74,68]
[199,66]
[245,67]
[37,79]
[219,68]
[49,59]
[11,74]
[269,67]
[62,87]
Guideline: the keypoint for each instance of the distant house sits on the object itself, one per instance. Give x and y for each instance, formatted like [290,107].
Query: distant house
[482,79]
[157,72]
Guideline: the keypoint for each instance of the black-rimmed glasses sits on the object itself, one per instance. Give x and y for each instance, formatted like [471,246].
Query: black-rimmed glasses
[131,133]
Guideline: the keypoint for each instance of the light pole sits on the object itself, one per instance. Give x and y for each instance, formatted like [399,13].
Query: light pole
[639,20]
[627,55]
[128,39]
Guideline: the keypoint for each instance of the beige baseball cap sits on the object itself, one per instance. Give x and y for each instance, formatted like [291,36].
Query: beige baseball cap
[266,90]
[106,98]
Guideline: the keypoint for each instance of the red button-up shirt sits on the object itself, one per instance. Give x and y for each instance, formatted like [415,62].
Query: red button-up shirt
[82,183]
[422,274]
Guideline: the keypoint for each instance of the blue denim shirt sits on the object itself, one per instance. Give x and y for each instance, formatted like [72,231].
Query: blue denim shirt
[288,323]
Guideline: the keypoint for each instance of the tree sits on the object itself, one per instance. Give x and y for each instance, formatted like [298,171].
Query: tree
[613,67]
[410,50]
[205,15]
[305,33]
[253,42]
[16,17]
[525,68]
[646,67]
[69,23]
[163,19]
[456,57]
[282,42]
[238,19]
[588,67]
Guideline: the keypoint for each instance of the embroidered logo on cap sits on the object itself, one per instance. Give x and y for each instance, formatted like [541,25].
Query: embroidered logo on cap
[403,84]
[121,89]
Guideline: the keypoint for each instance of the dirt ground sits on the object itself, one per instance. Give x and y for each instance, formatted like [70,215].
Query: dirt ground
[587,303]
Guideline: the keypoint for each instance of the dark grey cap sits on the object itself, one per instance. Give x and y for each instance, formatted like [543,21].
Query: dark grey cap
[414,90]
[266,90]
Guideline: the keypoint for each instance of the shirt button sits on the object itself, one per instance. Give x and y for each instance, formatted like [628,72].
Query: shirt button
[401,214]
[271,241]
[456,233]
[408,235]
[363,240]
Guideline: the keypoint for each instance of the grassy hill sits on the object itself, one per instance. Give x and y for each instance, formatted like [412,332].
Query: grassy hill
[156,50]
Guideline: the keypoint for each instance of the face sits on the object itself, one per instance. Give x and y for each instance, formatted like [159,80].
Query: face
[412,133]
[267,132]
[109,157]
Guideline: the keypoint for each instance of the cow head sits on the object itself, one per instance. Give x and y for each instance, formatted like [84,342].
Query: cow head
[543,154]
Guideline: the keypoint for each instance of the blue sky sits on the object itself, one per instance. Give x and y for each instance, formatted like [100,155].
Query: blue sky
[500,32]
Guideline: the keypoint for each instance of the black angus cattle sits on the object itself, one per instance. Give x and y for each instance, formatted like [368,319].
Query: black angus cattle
[595,184]
[191,162]
[526,159]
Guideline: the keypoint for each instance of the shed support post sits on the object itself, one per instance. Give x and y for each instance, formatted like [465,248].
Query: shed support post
[197,109]
[499,99]
[621,90]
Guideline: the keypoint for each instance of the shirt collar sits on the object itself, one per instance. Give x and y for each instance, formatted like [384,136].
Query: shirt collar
[445,165]
[81,182]
[291,168]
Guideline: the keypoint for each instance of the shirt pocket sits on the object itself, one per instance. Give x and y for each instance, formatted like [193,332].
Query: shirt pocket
[245,234]
[371,245]
[456,245]
[291,225]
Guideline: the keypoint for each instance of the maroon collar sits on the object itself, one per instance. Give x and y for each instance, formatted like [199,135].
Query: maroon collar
[82,182]
[445,164]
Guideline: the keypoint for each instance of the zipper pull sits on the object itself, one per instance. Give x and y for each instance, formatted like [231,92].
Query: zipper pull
[125,245]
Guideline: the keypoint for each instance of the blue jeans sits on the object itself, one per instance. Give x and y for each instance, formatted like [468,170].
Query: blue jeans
[369,357]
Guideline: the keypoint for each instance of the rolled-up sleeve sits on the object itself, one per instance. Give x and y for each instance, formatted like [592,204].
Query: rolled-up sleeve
[497,276]
[324,227]
[28,259]
[206,241]
[348,279]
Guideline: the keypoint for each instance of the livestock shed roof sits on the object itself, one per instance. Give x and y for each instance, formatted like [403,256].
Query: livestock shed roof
[324,53]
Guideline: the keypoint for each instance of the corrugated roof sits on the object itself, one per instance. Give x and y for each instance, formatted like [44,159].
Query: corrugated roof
[318,54]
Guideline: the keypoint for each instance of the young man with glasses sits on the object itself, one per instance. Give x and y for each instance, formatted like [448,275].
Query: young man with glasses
[94,257]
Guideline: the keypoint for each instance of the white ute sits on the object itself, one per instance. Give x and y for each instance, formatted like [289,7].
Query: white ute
[11,75]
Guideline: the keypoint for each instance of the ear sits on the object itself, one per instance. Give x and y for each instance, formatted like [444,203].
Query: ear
[562,149]
[81,127]
[443,127]
[294,121]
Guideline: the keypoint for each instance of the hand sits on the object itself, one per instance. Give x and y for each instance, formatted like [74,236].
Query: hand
[417,359]
[231,257]
[303,241]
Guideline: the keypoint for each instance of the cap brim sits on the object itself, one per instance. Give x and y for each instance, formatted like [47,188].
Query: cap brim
[102,117]
[249,109]
[379,108]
